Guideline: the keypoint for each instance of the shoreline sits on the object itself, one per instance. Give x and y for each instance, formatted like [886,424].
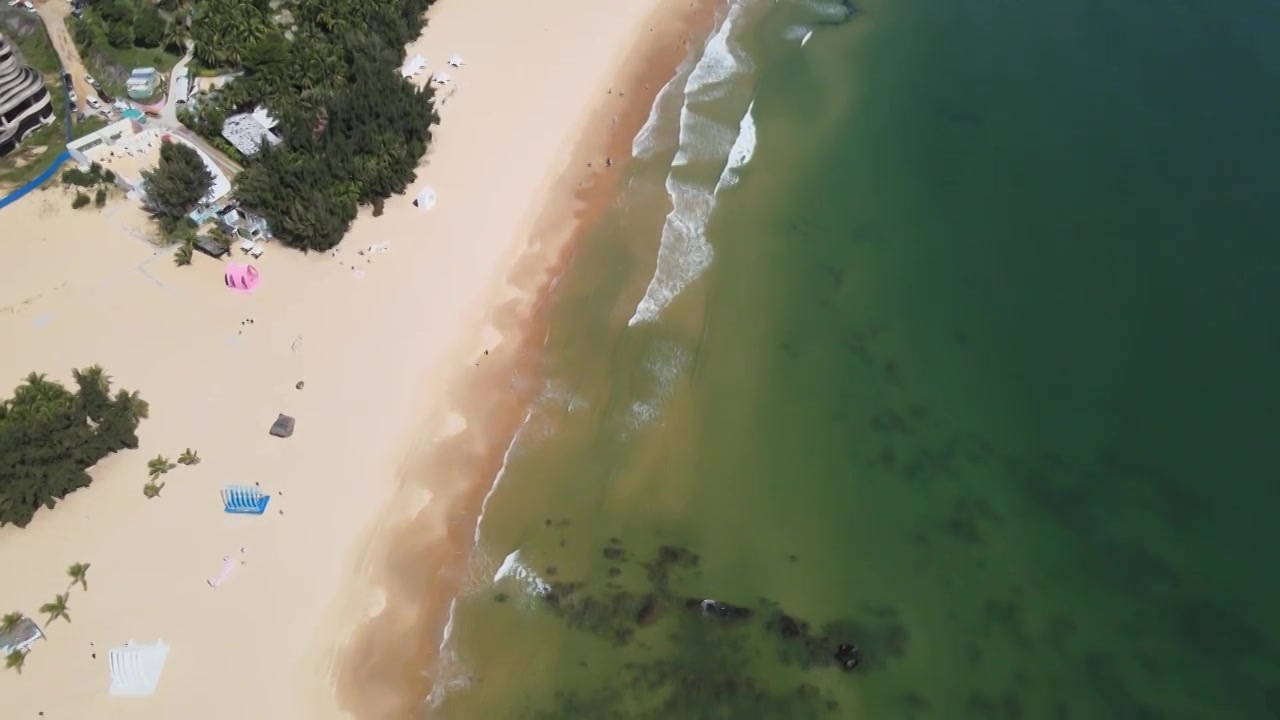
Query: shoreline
[490,416]
[395,429]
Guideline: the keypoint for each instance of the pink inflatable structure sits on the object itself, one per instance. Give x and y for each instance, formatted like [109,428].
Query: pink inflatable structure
[241,278]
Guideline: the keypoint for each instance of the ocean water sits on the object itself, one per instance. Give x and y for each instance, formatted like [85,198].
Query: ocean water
[942,329]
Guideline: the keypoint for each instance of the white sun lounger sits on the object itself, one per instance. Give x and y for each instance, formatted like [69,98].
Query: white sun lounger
[227,566]
[135,669]
[257,251]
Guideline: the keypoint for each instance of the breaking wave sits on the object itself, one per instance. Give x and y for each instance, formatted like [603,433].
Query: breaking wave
[664,362]
[683,251]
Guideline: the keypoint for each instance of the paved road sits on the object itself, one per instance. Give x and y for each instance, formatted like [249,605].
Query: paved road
[54,14]
[170,113]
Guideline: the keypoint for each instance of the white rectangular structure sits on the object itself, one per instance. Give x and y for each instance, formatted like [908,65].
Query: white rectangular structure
[135,669]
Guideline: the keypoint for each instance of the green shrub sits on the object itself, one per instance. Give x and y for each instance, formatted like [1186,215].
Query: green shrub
[80,201]
[78,177]
[100,197]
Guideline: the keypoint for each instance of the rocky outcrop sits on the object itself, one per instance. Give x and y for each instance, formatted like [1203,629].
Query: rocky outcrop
[25,104]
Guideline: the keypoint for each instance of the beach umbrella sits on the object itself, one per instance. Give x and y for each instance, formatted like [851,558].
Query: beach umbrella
[426,199]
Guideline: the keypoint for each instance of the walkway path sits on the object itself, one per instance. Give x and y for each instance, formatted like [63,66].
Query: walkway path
[170,112]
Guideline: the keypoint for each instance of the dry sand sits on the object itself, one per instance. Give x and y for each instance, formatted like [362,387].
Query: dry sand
[390,346]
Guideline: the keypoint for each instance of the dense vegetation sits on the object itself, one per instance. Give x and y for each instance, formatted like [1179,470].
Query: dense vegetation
[134,23]
[50,436]
[114,36]
[354,130]
[179,182]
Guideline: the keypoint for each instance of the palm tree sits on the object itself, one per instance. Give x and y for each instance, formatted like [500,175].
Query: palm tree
[57,609]
[175,36]
[10,621]
[152,490]
[137,406]
[183,255]
[77,573]
[158,466]
[189,457]
[15,660]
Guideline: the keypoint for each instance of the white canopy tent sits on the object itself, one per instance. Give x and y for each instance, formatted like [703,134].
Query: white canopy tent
[426,199]
[456,61]
[441,78]
[413,66]
[135,669]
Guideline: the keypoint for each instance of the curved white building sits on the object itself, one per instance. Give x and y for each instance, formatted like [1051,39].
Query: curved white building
[24,100]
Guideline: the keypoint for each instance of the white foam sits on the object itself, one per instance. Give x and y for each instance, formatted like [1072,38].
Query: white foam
[512,567]
[744,148]
[497,479]
[806,38]
[719,63]
[664,362]
[683,252]
[646,141]
[701,139]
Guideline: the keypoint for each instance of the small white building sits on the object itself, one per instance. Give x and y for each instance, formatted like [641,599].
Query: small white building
[83,149]
[248,132]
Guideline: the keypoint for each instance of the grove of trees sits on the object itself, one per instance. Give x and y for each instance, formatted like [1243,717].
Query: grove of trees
[132,23]
[178,184]
[354,130]
[50,436]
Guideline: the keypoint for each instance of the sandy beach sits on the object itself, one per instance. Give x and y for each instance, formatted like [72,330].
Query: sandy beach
[415,344]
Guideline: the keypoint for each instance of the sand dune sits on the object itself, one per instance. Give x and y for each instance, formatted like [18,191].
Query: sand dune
[379,339]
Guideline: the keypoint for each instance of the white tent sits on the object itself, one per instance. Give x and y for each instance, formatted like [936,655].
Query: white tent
[426,199]
[442,78]
[135,669]
[456,61]
[413,66]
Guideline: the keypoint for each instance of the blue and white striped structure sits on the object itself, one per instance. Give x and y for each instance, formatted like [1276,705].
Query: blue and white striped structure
[244,500]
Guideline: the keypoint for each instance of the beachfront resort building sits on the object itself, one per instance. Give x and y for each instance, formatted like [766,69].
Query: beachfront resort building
[129,146]
[25,104]
[142,83]
[248,132]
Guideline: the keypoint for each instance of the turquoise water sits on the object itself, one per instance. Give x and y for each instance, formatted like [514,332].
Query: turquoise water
[969,361]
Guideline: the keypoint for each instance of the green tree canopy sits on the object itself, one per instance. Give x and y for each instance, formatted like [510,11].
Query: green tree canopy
[178,183]
[354,130]
[79,573]
[149,27]
[58,608]
[50,436]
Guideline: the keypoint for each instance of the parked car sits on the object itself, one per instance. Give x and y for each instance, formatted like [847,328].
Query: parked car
[29,6]
[92,83]
[71,95]
[93,102]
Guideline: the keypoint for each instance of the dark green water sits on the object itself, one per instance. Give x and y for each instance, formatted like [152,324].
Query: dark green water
[982,378]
